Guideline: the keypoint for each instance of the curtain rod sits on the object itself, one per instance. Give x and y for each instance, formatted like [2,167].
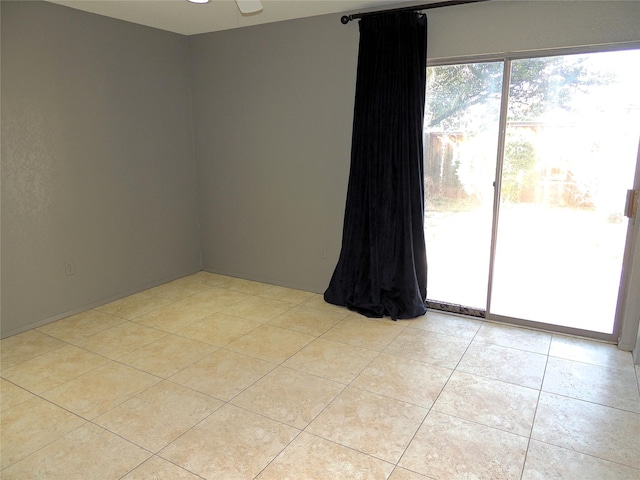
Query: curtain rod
[449,3]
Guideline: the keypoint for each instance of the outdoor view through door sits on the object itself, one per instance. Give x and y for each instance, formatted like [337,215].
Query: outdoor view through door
[549,248]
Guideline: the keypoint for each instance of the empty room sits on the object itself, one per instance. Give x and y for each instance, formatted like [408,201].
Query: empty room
[313,239]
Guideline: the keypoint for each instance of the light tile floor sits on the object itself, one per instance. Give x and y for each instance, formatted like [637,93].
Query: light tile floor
[220,378]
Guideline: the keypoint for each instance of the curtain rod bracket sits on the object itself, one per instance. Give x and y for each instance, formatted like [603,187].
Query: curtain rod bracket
[447,3]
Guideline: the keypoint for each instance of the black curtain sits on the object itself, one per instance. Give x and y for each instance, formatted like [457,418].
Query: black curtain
[382,269]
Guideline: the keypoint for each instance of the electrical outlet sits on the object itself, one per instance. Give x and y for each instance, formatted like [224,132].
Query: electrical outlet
[69,269]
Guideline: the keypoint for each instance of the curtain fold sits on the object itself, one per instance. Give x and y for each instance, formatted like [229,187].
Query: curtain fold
[382,269]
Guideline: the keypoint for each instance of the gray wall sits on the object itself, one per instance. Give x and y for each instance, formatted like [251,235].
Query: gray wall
[97,161]
[509,26]
[273,108]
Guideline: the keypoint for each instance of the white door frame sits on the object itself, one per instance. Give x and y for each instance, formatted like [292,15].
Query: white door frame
[629,300]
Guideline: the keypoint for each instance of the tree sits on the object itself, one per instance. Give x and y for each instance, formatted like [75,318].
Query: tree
[518,173]
[452,90]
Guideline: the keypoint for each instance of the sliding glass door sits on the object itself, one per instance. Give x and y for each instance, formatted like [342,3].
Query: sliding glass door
[569,158]
[546,244]
[461,143]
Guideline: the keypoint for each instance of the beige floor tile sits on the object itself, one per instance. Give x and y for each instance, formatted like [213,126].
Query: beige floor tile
[269,343]
[99,390]
[349,418]
[429,347]
[311,457]
[117,341]
[489,402]
[31,425]
[589,351]
[159,415]
[230,444]
[25,346]
[53,368]
[309,320]
[317,301]
[606,386]
[404,379]
[218,329]
[157,468]
[286,294]
[178,315]
[12,395]
[439,322]
[134,305]
[77,327]
[514,337]
[259,309]
[87,452]
[245,286]
[604,432]
[404,474]
[223,374]
[186,312]
[336,361]
[364,384]
[207,278]
[167,355]
[365,332]
[213,300]
[178,289]
[447,447]
[506,364]
[289,396]
[547,462]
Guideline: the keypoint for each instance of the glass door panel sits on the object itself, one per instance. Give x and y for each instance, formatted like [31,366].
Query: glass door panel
[569,156]
[461,137]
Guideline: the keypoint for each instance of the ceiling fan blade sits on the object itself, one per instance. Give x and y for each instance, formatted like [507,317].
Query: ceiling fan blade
[247,7]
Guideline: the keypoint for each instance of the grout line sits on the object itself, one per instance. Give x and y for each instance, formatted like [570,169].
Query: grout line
[430,409]
[535,414]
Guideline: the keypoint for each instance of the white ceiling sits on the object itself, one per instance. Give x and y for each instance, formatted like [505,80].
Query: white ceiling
[181,16]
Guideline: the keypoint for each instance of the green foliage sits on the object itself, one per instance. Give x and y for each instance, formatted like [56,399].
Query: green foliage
[518,170]
[535,83]
[463,102]
[453,89]
[539,82]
